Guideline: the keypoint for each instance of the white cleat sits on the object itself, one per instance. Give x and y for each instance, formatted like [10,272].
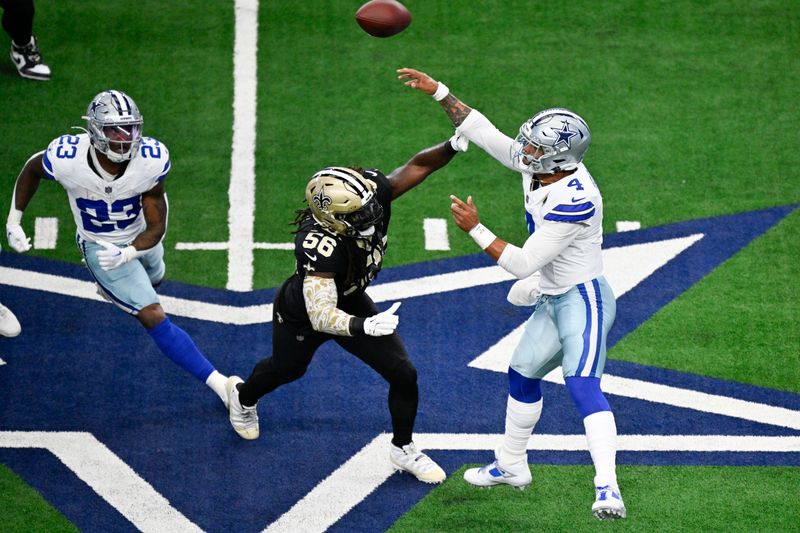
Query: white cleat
[517,475]
[411,460]
[9,325]
[608,503]
[243,419]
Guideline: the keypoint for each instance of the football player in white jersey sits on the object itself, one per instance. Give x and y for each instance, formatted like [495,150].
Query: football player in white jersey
[114,180]
[560,270]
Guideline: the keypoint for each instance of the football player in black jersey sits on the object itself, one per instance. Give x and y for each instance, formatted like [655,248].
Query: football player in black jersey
[339,245]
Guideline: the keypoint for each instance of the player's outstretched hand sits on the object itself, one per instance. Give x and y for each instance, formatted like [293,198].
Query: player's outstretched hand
[113,256]
[465,214]
[17,238]
[459,142]
[383,323]
[417,79]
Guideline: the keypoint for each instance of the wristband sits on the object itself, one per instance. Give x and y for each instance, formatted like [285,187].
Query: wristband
[441,92]
[14,217]
[482,236]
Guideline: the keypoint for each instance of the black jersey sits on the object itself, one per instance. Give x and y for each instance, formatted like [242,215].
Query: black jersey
[355,262]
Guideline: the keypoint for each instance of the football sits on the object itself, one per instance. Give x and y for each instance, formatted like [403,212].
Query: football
[383,18]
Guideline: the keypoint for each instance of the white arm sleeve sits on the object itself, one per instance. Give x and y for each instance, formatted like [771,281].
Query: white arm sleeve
[543,246]
[479,130]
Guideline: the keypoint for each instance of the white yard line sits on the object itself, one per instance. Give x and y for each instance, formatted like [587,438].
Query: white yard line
[109,476]
[45,233]
[628,225]
[349,484]
[241,193]
[435,230]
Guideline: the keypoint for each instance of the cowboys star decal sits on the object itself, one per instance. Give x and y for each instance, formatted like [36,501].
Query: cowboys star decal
[564,134]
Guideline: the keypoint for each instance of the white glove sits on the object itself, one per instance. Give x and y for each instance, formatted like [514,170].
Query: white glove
[524,292]
[114,256]
[383,323]
[459,142]
[17,238]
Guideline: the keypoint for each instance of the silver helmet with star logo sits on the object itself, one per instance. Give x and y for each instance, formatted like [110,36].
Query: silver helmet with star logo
[553,140]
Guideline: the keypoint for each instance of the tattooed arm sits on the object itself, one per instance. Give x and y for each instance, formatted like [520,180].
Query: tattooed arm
[470,123]
[455,108]
[319,293]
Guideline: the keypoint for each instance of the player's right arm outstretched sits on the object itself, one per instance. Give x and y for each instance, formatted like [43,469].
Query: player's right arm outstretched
[469,122]
[26,185]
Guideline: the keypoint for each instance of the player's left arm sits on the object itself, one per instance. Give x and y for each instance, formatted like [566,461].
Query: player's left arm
[549,240]
[155,209]
[419,167]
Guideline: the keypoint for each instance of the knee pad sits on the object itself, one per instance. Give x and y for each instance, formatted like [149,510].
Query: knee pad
[522,389]
[586,393]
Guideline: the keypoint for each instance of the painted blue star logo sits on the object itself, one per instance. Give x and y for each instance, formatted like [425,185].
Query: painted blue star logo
[564,135]
[95,105]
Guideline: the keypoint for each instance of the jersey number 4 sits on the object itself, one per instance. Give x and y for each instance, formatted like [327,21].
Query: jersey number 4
[95,213]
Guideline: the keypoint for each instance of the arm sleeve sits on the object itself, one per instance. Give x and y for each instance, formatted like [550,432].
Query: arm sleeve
[479,130]
[543,246]
[320,298]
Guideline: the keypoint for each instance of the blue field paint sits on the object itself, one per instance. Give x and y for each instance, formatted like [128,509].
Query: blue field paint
[106,376]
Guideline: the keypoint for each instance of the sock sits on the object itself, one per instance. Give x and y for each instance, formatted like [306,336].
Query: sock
[180,348]
[217,383]
[520,420]
[601,435]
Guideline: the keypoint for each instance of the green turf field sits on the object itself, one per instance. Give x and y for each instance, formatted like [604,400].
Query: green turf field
[693,110]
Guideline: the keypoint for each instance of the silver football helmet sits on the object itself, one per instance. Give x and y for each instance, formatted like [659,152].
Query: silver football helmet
[114,125]
[553,140]
[344,201]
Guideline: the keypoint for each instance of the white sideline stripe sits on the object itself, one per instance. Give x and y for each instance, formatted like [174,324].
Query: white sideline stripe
[110,477]
[45,233]
[353,481]
[241,193]
[435,230]
[223,314]
[224,246]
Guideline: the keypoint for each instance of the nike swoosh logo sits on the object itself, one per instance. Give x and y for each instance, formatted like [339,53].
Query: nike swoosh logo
[371,173]
[578,199]
[312,257]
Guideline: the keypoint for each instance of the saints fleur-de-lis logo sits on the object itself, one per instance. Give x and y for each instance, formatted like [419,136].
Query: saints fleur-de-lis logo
[321,201]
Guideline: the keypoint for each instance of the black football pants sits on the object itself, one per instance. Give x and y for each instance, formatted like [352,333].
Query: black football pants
[292,353]
[18,20]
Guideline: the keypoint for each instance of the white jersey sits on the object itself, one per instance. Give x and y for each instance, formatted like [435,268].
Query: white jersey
[565,218]
[109,210]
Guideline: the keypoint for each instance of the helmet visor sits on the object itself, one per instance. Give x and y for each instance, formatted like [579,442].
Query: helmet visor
[369,215]
[122,138]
